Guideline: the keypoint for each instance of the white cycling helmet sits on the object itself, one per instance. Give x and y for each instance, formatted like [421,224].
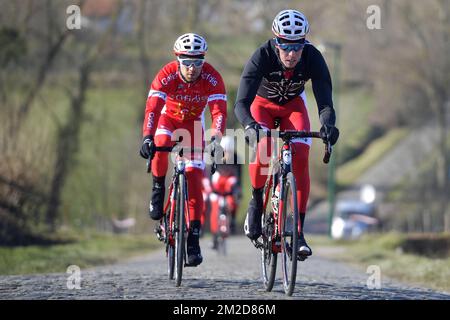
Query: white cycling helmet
[190,44]
[290,25]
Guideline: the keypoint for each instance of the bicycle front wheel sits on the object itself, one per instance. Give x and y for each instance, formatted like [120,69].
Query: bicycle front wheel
[222,246]
[180,230]
[289,233]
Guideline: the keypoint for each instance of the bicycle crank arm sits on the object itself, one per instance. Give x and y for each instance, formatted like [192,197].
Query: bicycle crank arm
[258,244]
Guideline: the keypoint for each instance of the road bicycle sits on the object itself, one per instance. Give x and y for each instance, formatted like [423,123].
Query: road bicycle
[281,223]
[174,225]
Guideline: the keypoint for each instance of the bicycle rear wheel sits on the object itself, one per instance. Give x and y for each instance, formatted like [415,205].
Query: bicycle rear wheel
[171,261]
[269,265]
[170,249]
[289,233]
[180,230]
[268,257]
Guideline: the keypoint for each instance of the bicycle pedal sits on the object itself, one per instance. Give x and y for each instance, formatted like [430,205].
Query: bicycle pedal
[302,257]
[159,234]
[258,244]
[289,253]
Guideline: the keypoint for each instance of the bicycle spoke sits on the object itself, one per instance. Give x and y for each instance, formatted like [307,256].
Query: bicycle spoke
[268,256]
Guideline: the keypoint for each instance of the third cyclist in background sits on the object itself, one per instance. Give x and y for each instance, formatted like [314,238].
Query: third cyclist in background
[226,180]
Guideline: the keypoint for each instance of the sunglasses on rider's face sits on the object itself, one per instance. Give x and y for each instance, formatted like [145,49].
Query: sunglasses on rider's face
[189,62]
[290,46]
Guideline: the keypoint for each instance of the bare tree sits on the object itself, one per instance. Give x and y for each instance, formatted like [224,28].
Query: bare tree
[68,134]
[433,46]
[54,45]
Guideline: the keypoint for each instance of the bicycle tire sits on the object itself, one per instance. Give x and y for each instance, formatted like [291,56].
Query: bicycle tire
[180,231]
[170,252]
[268,257]
[222,246]
[268,265]
[289,236]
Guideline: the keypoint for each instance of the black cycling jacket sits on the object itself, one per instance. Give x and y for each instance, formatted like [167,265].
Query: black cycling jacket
[264,75]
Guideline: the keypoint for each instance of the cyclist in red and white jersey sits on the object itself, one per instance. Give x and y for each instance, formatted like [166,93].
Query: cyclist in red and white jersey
[177,98]
[272,89]
[225,181]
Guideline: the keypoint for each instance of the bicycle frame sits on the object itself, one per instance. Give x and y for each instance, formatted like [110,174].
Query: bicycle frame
[284,167]
[284,160]
[222,215]
[172,200]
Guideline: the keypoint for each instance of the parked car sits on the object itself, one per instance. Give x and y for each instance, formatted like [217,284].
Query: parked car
[353,218]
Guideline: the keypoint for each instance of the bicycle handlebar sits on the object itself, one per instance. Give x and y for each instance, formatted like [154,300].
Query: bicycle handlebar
[284,135]
[180,150]
[288,135]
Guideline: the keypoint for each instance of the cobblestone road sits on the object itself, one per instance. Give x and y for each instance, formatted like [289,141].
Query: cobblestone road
[236,276]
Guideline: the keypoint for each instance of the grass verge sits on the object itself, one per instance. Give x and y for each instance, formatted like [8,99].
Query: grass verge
[386,251]
[352,170]
[91,251]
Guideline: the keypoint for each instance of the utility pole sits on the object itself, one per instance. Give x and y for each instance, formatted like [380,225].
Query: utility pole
[337,48]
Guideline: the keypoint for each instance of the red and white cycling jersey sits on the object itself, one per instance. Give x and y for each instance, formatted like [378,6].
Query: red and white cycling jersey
[183,101]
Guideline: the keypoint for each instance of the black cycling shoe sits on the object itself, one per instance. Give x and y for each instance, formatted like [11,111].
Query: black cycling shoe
[252,227]
[304,251]
[157,202]
[194,255]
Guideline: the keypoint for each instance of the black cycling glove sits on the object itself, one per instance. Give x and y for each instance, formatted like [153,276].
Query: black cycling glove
[329,133]
[148,147]
[253,133]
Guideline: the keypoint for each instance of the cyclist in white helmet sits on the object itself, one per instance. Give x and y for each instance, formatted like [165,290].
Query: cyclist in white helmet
[226,181]
[272,90]
[178,95]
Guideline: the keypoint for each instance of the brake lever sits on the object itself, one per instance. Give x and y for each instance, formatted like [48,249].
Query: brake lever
[328,151]
[149,160]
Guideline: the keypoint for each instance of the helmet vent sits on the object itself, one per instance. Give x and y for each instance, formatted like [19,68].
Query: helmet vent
[291,25]
[190,44]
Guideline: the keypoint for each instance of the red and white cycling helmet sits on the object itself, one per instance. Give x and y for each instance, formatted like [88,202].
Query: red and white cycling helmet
[190,44]
[291,25]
